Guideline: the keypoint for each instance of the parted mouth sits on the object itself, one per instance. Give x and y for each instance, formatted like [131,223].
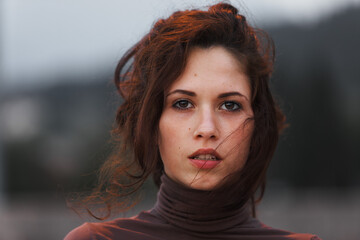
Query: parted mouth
[208,154]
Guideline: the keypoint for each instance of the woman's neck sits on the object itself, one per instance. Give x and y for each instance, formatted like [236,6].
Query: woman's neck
[197,210]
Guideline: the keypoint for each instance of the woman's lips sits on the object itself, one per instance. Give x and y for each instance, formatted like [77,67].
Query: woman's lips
[204,164]
[205,158]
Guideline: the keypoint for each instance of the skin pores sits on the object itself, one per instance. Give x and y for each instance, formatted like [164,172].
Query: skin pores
[206,127]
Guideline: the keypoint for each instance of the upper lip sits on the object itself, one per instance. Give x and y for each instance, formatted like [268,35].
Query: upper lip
[203,151]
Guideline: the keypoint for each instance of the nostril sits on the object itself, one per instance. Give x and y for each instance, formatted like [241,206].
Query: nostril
[207,136]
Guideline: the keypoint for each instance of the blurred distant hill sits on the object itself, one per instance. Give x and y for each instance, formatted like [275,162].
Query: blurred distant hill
[317,78]
[56,134]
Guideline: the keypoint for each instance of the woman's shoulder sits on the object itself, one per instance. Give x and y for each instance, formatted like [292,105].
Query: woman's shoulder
[80,233]
[101,230]
[266,230]
[123,228]
[303,236]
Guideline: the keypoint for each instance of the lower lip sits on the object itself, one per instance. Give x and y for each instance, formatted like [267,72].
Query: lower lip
[204,164]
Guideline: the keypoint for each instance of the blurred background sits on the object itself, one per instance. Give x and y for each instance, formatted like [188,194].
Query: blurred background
[57,105]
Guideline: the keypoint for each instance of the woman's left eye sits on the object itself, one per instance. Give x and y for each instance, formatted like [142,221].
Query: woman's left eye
[230,106]
[183,104]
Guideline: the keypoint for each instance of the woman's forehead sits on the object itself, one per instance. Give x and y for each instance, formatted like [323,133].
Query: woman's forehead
[212,69]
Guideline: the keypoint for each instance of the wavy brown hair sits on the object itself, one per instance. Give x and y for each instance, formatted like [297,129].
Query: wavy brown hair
[149,68]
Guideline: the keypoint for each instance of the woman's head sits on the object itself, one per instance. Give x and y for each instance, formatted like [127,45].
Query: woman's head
[149,71]
[206,124]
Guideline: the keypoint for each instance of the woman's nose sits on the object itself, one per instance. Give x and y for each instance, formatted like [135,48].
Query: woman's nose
[206,125]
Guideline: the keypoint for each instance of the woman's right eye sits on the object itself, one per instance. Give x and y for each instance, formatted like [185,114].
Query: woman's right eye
[183,104]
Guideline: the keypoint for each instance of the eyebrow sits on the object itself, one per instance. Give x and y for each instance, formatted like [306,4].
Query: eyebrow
[228,94]
[193,94]
[189,93]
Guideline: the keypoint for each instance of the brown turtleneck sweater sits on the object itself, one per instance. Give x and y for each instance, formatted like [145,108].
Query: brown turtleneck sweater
[184,213]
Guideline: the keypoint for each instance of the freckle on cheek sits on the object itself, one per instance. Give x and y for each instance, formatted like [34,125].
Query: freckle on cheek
[195,75]
[189,129]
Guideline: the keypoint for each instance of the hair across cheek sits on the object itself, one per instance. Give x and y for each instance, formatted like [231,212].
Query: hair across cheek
[240,138]
[235,147]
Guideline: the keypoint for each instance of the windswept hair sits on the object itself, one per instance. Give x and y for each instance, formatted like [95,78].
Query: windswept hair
[148,69]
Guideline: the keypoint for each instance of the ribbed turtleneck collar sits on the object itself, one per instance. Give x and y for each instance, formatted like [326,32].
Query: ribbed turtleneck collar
[196,210]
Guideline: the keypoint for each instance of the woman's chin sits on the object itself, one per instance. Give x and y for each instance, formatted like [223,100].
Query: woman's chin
[204,184]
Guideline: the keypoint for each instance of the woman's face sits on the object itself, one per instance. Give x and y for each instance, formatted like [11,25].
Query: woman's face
[203,136]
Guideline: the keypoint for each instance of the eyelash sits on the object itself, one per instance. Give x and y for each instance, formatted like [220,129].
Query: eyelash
[237,108]
[176,105]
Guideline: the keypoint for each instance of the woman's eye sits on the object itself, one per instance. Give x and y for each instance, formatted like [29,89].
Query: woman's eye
[230,106]
[183,104]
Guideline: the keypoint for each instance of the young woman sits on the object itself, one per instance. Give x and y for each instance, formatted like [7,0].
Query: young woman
[197,116]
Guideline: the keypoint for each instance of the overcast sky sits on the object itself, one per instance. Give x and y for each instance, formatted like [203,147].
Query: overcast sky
[44,38]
